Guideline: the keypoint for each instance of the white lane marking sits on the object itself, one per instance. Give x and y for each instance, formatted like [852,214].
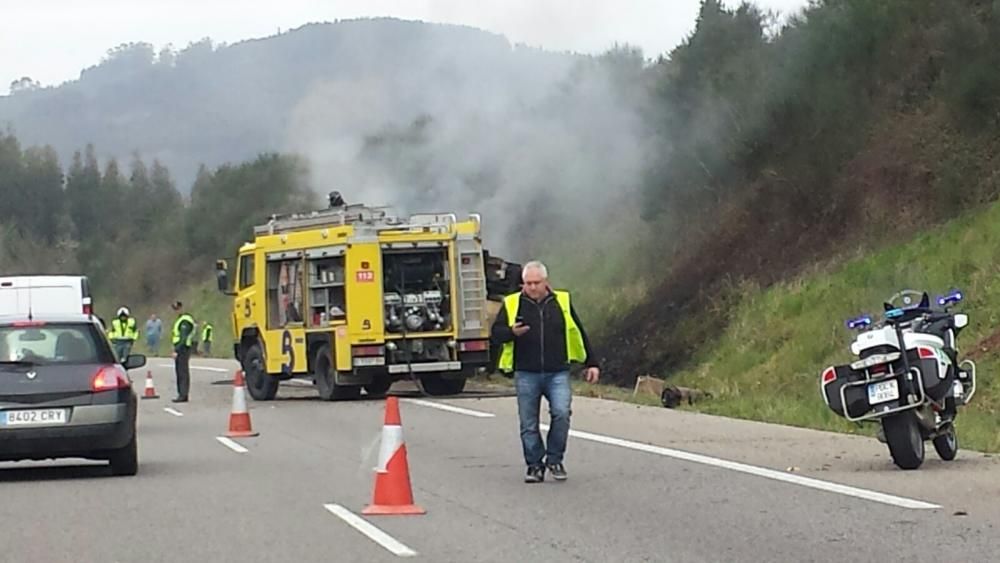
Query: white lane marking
[173,411]
[449,408]
[758,471]
[376,535]
[203,368]
[299,382]
[231,445]
[206,368]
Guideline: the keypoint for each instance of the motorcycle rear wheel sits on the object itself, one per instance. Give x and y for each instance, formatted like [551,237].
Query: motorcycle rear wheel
[906,443]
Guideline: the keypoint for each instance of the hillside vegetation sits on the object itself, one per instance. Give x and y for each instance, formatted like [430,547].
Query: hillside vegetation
[131,231]
[767,361]
[859,125]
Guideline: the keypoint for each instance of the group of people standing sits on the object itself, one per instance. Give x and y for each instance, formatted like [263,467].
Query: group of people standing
[123,332]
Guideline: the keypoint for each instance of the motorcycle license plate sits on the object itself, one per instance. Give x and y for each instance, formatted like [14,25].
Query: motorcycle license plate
[883,391]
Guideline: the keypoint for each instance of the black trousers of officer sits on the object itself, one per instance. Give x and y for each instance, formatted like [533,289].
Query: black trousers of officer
[182,368]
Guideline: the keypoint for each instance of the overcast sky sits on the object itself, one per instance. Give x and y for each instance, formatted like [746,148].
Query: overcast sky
[52,40]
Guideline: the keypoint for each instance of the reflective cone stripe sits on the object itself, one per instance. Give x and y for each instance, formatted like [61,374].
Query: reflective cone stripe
[150,392]
[239,417]
[393,493]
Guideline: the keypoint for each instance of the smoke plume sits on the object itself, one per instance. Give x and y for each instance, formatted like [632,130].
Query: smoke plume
[540,144]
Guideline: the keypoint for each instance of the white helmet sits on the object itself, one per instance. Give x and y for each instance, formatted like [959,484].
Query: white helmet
[123,311]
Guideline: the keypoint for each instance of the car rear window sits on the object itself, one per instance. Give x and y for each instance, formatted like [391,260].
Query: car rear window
[57,343]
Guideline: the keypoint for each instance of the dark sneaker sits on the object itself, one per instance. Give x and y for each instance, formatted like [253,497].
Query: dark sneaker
[536,474]
[558,471]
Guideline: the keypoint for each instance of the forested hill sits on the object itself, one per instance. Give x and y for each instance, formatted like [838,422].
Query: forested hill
[212,104]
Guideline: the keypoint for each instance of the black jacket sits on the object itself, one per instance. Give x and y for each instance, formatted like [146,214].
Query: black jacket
[543,348]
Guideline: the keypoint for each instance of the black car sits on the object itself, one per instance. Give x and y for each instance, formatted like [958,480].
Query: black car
[63,394]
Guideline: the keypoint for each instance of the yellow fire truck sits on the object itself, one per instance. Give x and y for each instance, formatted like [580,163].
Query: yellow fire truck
[355,298]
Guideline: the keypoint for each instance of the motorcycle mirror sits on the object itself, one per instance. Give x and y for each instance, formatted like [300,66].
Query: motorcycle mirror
[961,320]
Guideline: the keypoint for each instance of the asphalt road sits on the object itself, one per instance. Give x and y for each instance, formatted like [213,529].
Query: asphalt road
[645,484]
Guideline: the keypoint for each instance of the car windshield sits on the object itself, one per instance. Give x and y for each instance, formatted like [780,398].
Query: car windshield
[57,343]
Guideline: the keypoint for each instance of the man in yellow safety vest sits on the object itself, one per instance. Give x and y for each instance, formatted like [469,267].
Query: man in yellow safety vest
[541,336]
[207,336]
[123,334]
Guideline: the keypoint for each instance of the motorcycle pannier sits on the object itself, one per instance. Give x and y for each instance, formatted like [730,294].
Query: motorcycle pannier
[856,397]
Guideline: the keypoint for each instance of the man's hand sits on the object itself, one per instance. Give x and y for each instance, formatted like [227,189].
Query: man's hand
[519,329]
[592,374]
[173,354]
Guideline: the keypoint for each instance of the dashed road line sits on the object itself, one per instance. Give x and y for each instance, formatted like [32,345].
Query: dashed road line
[390,543]
[203,368]
[231,444]
[449,408]
[174,412]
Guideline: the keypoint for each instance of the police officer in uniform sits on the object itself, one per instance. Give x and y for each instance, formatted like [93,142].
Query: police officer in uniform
[123,334]
[182,337]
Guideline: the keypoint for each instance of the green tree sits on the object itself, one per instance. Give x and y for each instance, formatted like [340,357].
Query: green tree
[41,205]
[226,204]
[83,194]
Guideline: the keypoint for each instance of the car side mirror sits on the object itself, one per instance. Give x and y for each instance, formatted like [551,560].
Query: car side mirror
[961,320]
[134,361]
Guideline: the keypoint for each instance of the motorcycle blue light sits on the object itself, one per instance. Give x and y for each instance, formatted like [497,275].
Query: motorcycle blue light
[859,322]
[893,313]
[953,297]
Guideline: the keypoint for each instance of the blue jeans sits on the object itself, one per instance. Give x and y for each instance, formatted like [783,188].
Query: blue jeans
[531,387]
[122,348]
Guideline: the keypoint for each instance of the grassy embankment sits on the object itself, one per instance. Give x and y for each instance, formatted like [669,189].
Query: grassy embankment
[766,363]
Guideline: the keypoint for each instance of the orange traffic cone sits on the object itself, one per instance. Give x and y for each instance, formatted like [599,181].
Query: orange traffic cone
[239,418]
[393,494]
[150,392]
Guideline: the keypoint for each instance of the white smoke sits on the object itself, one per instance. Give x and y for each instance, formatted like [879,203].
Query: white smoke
[557,143]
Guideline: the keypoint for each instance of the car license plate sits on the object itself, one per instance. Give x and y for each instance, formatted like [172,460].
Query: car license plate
[33,417]
[883,391]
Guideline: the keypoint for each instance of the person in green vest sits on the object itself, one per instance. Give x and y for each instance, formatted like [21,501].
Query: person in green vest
[207,336]
[541,336]
[123,334]
[181,337]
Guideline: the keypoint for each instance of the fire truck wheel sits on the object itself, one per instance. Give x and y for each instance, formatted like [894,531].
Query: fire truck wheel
[436,385]
[326,382]
[260,385]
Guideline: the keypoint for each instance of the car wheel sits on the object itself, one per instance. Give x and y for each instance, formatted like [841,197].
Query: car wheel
[125,461]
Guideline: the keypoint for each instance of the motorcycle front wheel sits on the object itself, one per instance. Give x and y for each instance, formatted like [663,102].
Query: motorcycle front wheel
[906,443]
[947,445]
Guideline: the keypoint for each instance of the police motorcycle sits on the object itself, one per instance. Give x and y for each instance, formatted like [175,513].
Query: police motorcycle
[907,376]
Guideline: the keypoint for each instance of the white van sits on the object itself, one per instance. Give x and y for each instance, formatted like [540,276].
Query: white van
[45,295]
